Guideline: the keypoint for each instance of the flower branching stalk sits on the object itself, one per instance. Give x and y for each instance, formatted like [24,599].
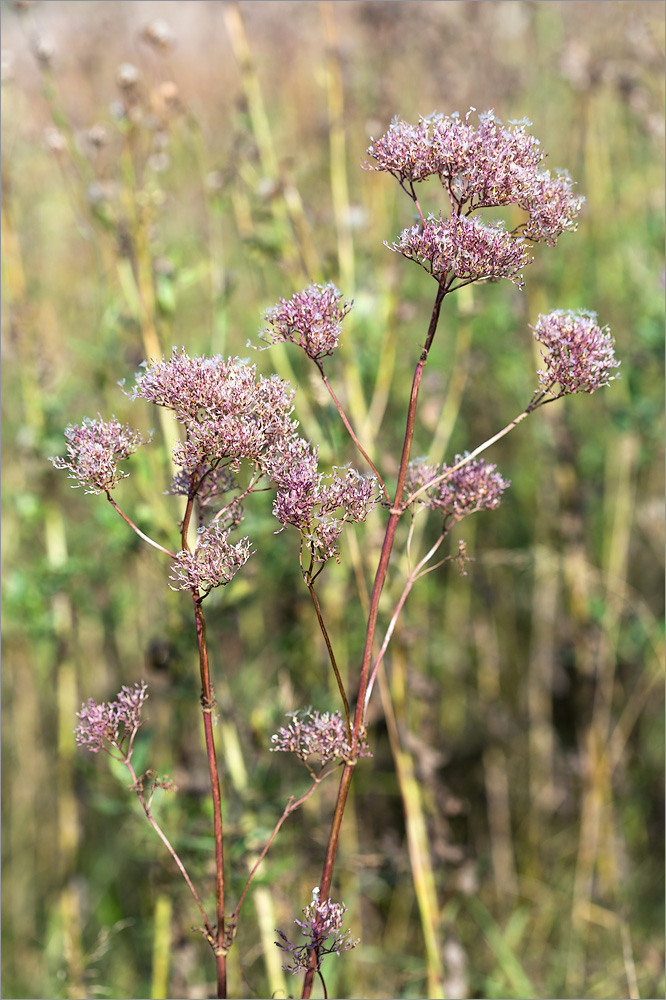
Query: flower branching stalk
[112,727]
[487,166]
[238,437]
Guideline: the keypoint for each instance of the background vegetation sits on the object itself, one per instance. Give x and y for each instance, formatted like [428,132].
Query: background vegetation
[518,732]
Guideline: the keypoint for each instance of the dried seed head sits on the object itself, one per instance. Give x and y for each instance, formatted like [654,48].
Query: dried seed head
[127,77]
[55,140]
[97,136]
[159,34]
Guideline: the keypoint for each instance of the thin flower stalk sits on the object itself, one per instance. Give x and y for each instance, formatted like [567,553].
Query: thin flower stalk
[112,728]
[414,575]
[350,430]
[378,586]
[144,537]
[291,806]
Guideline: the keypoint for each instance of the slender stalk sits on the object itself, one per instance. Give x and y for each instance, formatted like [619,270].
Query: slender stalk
[380,577]
[290,807]
[138,531]
[207,702]
[331,655]
[468,458]
[163,837]
[417,572]
[350,429]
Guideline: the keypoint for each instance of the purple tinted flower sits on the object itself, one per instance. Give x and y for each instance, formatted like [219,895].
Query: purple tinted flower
[552,206]
[466,248]
[323,919]
[406,151]
[318,734]
[93,451]
[114,724]
[473,487]
[311,319]
[490,165]
[579,355]
[228,412]
[318,505]
[214,562]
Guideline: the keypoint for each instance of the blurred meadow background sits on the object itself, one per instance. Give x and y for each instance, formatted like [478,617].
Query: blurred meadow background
[169,170]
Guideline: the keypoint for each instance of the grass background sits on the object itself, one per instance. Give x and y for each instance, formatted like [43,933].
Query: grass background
[517,780]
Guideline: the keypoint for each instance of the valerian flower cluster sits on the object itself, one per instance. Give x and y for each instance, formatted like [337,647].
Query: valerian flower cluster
[579,354]
[94,449]
[311,319]
[456,492]
[465,248]
[228,412]
[323,919]
[213,563]
[317,734]
[111,725]
[317,504]
[230,415]
[483,166]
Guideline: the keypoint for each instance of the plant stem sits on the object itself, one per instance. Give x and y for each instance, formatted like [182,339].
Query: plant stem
[380,577]
[290,807]
[331,655]
[350,429]
[411,580]
[138,531]
[163,837]
[207,702]
[468,458]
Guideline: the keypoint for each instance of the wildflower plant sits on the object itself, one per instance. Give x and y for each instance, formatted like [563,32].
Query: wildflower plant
[239,436]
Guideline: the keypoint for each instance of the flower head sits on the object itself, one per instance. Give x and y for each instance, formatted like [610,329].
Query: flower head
[483,166]
[323,919]
[318,504]
[227,411]
[474,486]
[311,318]
[94,449]
[111,725]
[466,248]
[317,734]
[405,150]
[214,562]
[552,205]
[579,354]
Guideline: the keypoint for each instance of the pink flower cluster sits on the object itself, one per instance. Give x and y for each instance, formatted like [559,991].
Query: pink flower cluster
[227,411]
[93,451]
[579,355]
[323,919]
[311,319]
[111,725]
[465,248]
[486,166]
[317,734]
[213,563]
[317,504]
[475,486]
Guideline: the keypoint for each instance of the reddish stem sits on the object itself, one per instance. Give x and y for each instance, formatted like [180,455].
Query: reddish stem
[366,665]
[207,702]
[350,429]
